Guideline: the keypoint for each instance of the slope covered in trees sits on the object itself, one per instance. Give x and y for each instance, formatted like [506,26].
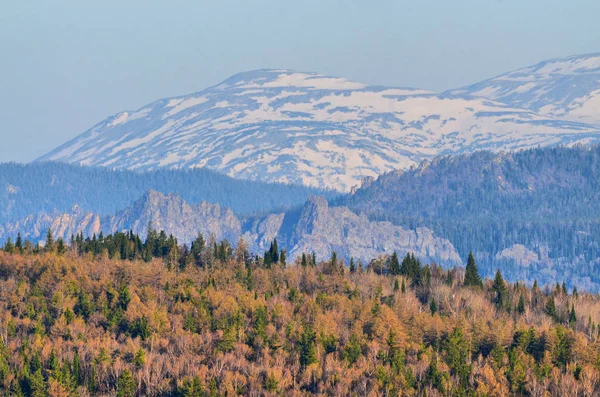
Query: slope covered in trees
[81,321]
[535,213]
[45,187]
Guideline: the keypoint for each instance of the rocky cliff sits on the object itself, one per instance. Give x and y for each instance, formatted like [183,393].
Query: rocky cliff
[314,227]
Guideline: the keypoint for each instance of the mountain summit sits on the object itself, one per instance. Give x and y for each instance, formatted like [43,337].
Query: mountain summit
[306,128]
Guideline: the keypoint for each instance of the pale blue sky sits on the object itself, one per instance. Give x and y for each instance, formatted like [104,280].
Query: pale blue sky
[65,65]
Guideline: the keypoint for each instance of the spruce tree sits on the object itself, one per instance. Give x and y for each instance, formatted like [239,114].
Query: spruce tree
[9,247]
[433,306]
[304,263]
[472,277]
[19,243]
[308,348]
[49,247]
[521,305]
[394,265]
[352,265]
[550,308]
[282,258]
[500,290]
[126,386]
[572,315]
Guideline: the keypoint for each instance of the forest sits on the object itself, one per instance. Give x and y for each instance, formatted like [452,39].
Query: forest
[122,315]
[547,199]
[27,189]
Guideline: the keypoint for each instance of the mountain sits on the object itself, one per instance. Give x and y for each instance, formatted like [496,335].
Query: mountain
[566,88]
[533,213]
[309,129]
[49,187]
[314,227]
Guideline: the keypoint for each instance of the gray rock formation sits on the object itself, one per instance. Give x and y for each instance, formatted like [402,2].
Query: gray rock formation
[315,227]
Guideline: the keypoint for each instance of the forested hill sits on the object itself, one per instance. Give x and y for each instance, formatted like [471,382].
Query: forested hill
[219,322]
[536,212]
[45,187]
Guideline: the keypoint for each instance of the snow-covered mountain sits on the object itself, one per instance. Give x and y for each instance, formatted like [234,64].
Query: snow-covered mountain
[286,126]
[567,88]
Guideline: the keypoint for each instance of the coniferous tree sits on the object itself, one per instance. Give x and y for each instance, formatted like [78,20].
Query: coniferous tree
[282,258]
[394,265]
[521,305]
[61,248]
[304,263]
[49,246]
[500,291]
[9,247]
[308,349]
[126,386]
[352,265]
[550,308]
[457,350]
[572,315]
[472,277]
[433,306]
[19,243]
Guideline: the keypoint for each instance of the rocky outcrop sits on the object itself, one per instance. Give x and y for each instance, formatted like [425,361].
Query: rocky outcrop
[34,227]
[314,227]
[169,213]
[173,215]
[325,229]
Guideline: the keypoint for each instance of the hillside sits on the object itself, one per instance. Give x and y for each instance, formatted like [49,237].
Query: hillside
[565,88]
[535,213]
[231,324]
[309,129]
[30,189]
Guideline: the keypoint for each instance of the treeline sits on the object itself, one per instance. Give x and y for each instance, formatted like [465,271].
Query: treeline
[74,322]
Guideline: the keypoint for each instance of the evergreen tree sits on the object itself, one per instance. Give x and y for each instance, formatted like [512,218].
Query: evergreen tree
[140,358]
[433,306]
[434,376]
[572,316]
[500,291]
[550,308]
[457,350]
[19,243]
[304,263]
[49,246]
[308,349]
[352,265]
[472,277]
[9,247]
[61,248]
[313,259]
[126,386]
[394,265]
[282,258]
[227,342]
[521,305]
[395,355]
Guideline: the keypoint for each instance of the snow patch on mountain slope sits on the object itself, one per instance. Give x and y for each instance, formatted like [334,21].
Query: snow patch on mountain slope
[286,126]
[567,88]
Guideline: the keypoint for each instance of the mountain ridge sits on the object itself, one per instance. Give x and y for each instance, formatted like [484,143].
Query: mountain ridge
[295,127]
